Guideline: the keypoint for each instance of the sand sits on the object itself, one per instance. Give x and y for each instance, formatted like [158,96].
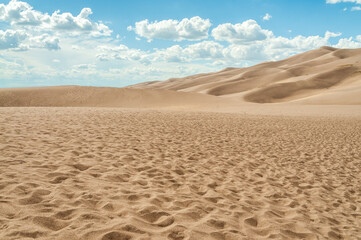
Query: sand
[322,76]
[267,152]
[82,96]
[112,173]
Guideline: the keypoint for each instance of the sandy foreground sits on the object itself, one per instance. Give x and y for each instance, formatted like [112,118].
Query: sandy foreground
[109,174]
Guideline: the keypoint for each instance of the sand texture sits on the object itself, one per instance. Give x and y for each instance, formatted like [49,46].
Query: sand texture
[115,174]
[271,151]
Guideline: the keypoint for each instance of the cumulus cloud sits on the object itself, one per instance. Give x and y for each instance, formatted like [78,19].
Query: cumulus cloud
[19,40]
[355,8]
[44,41]
[271,48]
[267,17]
[84,54]
[241,33]
[349,42]
[22,14]
[121,52]
[77,24]
[12,39]
[171,54]
[17,12]
[191,29]
[250,42]
[204,50]
[276,48]
[29,28]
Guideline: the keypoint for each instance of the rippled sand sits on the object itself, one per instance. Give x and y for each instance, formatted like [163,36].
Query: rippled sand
[93,173]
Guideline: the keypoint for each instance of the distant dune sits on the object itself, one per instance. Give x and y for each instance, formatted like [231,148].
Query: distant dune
[326,76]
[79,96]
[323,76]
[196,158]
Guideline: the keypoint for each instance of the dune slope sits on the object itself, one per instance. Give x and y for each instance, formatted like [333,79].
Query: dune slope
[323,76]
[80,96]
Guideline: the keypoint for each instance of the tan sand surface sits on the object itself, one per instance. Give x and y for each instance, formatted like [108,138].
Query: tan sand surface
[111,174]
[82,96]
[190,158]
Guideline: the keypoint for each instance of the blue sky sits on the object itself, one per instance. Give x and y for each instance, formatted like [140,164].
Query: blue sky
[118,43]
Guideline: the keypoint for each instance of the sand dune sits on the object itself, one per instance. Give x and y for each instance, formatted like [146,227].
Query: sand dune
[157,99]
[326,76]
[322,76]
[80,96]
[195,158]
[109,173]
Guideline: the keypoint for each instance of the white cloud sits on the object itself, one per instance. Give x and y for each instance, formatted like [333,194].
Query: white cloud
[267,17]
[192,29]
[356,8]
[77,24]
[82,54]
[12,39]
[171,54]
[84,67]
[271,48]
[19,40]
[205,50]
[29,28]
[329,35]
[349,42]
[252,43]
[17,12]
[20,13]
[241,33]
[43,41]
[340,1]
[121,52]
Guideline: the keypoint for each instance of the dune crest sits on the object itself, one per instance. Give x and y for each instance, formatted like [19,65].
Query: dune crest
[326,76]
[323,76]
[188,159]
[81,96]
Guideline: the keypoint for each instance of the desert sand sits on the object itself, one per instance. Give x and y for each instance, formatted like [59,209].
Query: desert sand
[322,76]
[236,154]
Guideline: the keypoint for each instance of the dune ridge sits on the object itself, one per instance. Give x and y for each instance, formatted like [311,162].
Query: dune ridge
[322,76]
[81,96]
[197,158]
[325,76]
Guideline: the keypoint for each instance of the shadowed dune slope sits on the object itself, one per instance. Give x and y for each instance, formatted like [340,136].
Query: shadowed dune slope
[79,96]
[323,76]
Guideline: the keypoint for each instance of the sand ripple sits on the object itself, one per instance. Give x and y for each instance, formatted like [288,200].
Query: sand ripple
[108,174]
